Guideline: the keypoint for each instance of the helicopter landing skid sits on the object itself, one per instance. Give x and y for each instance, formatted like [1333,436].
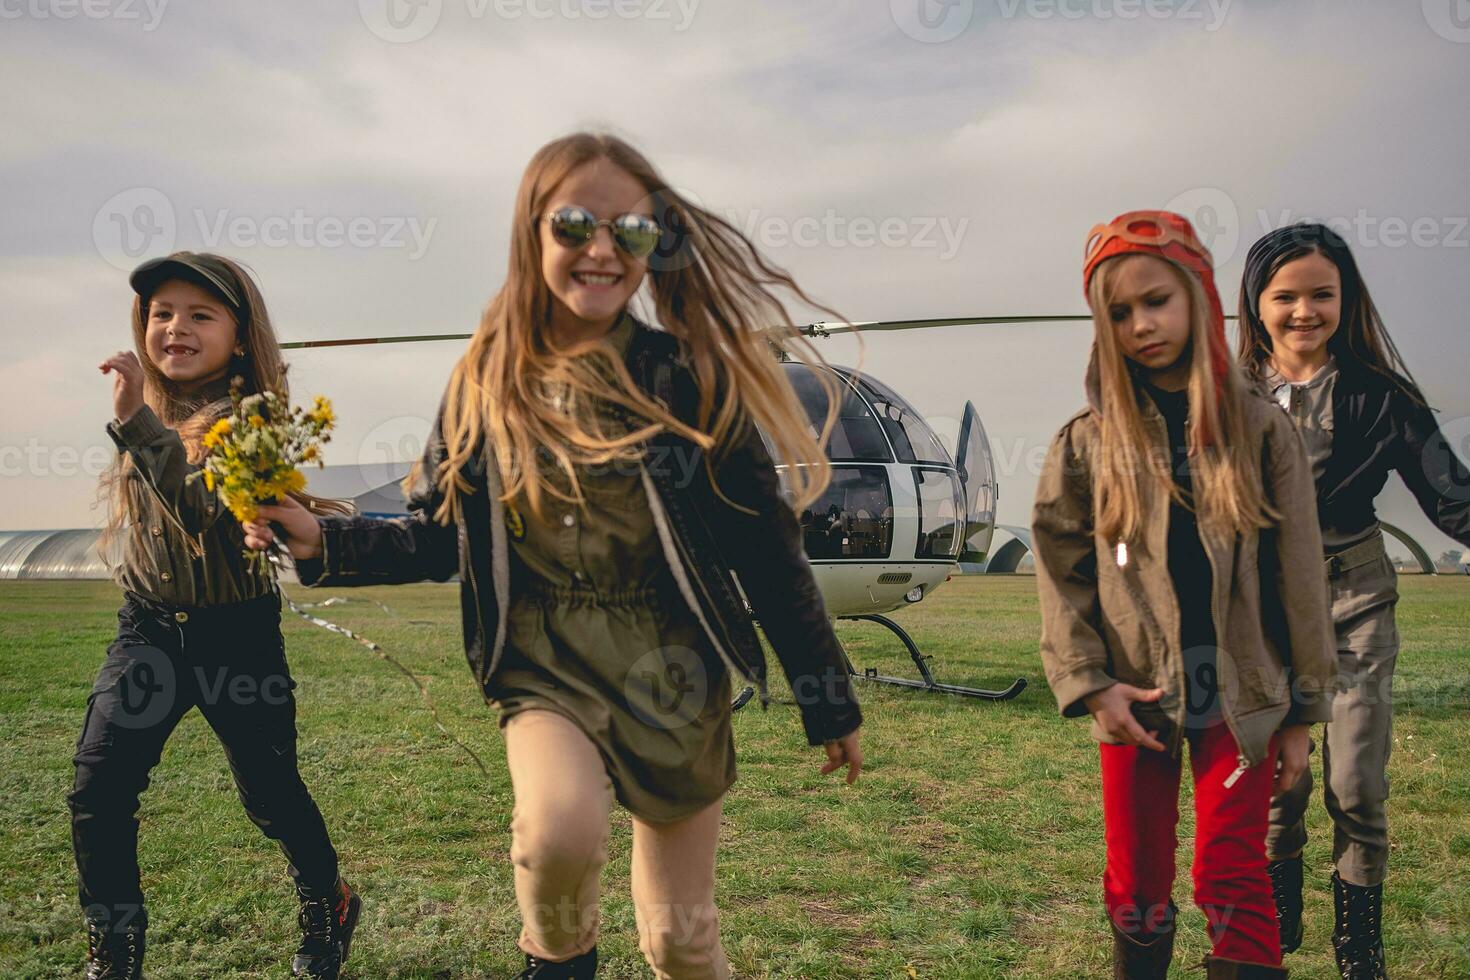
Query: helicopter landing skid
[928,683]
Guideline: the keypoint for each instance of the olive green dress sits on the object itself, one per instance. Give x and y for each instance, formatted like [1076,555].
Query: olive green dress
[597,631]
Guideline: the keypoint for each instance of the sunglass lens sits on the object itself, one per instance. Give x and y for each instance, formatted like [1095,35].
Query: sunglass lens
[572,227]
[636,234]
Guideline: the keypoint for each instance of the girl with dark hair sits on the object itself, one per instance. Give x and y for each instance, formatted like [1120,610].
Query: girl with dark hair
[200,624]
[1312,336]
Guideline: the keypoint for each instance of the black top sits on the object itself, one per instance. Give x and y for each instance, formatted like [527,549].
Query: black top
[1190,569]
[1379,428]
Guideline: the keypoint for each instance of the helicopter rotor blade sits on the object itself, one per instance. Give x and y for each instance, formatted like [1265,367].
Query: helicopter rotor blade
[820,329]
[361,341]
[828,329]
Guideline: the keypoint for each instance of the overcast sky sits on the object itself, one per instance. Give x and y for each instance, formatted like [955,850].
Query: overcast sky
[903,159]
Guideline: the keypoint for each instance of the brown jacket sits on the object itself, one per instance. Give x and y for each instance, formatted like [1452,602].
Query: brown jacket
[1110,615]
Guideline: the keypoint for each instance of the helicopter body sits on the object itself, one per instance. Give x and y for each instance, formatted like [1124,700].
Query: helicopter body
[899,513]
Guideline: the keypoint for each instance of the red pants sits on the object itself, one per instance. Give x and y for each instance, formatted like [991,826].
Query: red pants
[1141,811]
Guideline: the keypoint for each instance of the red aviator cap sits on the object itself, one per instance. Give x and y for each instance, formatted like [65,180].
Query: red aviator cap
[1168,236]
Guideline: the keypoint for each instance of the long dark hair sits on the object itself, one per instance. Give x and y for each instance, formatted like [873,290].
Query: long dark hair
[1361,340]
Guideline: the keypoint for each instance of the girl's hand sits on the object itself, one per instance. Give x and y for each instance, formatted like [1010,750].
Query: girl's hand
[303,537]
[844,752]
[1111,707]
[1294,746]
[127,389]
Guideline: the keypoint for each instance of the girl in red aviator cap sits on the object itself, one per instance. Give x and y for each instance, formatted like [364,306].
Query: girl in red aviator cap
[1178,561]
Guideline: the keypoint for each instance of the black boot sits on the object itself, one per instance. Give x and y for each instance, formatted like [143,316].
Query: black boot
[1218,969]
[116,954]
[1286,888]
[1145,957]
[1358,935]
[582,967]
[327,923]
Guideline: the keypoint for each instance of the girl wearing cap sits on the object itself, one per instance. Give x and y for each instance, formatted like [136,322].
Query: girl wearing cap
[1182,596]
[198,626]
[595,483]
[1311,335]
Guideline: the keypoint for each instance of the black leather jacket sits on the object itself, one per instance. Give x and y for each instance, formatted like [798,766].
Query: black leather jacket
[704,539]
[1377,428]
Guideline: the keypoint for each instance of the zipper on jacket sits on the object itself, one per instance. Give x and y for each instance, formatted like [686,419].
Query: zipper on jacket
[464,550]
[1241,765]
[674,556]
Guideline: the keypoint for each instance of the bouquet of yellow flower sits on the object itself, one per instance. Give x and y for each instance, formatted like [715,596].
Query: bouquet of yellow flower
[252,455]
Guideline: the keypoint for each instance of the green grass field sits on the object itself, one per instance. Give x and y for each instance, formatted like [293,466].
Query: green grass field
[971,847]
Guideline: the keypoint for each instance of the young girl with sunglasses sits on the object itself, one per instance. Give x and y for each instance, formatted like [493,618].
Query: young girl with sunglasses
[595,483]
[1312,336]
[199,624]
[1182,596]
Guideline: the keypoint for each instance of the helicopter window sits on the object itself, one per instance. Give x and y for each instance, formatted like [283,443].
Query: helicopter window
[856,436]
[853,518]
[941,513]
[911,436]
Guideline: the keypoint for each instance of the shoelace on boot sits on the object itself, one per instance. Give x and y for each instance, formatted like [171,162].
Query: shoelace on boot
[105,948]
[1358,940]
[318,919]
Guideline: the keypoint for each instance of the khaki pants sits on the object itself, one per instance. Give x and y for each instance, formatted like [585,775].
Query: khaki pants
[563,800]
[1356,742]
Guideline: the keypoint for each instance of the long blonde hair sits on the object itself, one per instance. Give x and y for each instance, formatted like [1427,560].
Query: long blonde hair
[711,290]
[261,366]
[1226,476]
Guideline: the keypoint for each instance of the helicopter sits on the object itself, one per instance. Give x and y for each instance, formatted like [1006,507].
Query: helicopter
[900,514]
